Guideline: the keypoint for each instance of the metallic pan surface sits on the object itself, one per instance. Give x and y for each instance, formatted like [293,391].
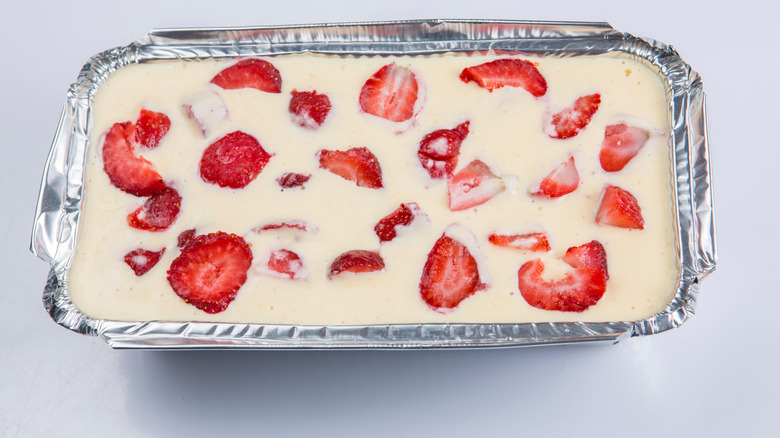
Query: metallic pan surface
[57,214]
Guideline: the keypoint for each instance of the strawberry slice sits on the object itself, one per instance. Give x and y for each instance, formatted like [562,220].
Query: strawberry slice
[206,109]
[621,144]
[141,260]
[506,73]
[184,237]
[390,93]
[450,275]
[158,212]
[210,270]
[309,109]
[358,165]
[286,264]
[233,161]
[401,216]
[438,152]
[357,261]
[474,185]
[126,171]
[151,127]
[589,255]
[295,225]
[526,242]
[250,73]
[575,292]
[290,180]
[572,120]
[619,208]
[563,180]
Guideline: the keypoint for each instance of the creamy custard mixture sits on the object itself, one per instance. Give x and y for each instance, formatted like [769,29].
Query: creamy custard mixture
[507,131]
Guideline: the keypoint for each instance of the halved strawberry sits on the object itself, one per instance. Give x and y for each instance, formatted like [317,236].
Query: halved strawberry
[286,263]
[210,270]
[621,144]
[589,255]
[357,260]
[563,180]
[450,275]
[575,292]
[296,225]
[401,216]
[574,119]
[184,237]
[525,242]
[158,212]
[126,171]
[142,260]
[250,73]
[506,73]
[309,109]
[358,165]
[233,161]
[290,180]
[619,208]
[151,127]
[390,93]
[206,109]
[439,150]
[475,184]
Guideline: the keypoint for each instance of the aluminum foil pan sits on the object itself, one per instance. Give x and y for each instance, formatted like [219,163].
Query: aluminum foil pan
[59,202]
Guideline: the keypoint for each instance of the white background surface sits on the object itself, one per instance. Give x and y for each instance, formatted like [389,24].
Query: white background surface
[717,375]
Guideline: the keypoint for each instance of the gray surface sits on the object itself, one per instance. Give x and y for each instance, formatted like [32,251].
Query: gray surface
[716,375]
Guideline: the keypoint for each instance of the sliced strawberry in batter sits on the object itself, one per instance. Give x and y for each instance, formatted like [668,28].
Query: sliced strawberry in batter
[210,270]
[126,171]
[473,185]
[151,127]
[207,110]
[309,109]
[563,180]
[619,208]
[589,255]
[450,275]
[358,165]
[233,161]
[357,261]
[184,237]
[294,225]
[250,73]
[506,73]
[621,143]
[390,93]
[291,180]
[572,120]
[575,292]
[286,264]
[142,260]
[401,216]
[438,152]
[525,242]
[158,212]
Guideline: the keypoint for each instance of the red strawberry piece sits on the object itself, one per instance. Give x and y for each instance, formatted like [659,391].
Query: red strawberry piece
[506,73]
[309,108]
[290,180]
[158,212]
[621,144]
[250,73]
[210,270]
[126,171]
[357,260]
[390,93]
[151,127]
[563,180]
[589,255]
[439,150]
[233,161]
[296,225]
[184,238]
[619,208]
[450,274]
[575,292]
[401,216]
[206,109]
[358,165]
[574,119]
[286,263]
[141,260]
[526,242]
[475,184]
